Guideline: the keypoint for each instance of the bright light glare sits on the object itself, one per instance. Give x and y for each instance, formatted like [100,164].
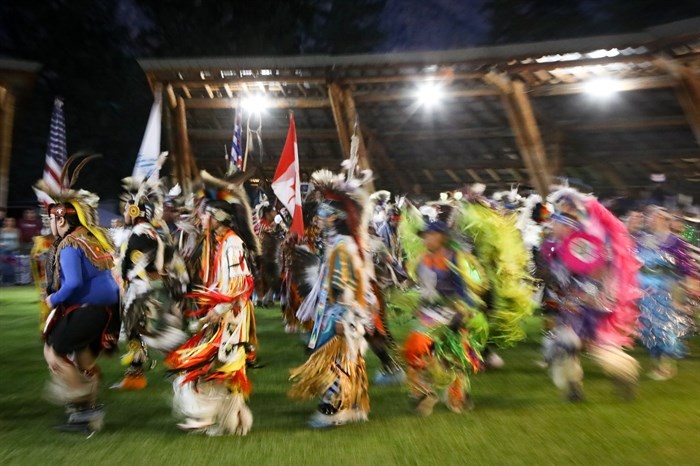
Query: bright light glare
[255,103]
[429,94]
[602,87]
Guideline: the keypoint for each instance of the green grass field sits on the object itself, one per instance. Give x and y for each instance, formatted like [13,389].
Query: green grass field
[519,416]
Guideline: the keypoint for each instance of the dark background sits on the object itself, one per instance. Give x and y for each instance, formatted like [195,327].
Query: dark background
[88,51]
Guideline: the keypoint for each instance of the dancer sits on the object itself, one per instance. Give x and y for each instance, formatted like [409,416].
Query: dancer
[84,299]
[301,264]
[154,279]
[212,385]
[450,330]
[592,285]
[340,306]
[663,320]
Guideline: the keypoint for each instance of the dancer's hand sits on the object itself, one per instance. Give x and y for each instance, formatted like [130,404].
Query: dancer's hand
[211,318]
[48,302]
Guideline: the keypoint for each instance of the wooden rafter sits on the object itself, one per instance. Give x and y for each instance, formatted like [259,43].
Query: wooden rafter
[451,173]
[527,134]
[474,175]
[335,96]
[303,102]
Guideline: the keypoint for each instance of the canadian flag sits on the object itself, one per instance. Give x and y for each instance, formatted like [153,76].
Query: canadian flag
[286,184]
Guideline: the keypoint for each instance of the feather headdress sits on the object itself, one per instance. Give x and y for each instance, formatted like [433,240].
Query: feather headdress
[143,195]
[231,191]
[83,202]
[345,193]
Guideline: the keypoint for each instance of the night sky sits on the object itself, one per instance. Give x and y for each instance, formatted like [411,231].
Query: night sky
[88,49]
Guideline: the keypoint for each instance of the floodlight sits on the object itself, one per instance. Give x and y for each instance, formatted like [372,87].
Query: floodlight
[255,103]
[602,87]
[429,94]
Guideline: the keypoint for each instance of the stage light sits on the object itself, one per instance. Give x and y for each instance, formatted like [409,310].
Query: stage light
[602,87]
[255,103]
[429,94]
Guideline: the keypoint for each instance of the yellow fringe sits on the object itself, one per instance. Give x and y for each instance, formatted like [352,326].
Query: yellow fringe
[327,364]
[91,246]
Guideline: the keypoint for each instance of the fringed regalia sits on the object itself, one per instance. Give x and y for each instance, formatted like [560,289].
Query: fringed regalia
[271,236]
[341,308]
[84,298]
[154,278]
[592,286]
[663,321]
[212,383]
[336,369]
[301,262]
[450,329]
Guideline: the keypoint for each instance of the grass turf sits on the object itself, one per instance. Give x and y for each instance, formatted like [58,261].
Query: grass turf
[519,416]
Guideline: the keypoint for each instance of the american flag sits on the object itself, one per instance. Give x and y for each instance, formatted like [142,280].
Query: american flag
[56,152]
[236,155]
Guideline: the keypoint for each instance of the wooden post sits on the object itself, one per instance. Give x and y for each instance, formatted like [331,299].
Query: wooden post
[687,89]
[7,115]
[335,95]
[170,134]
[183,145]
[524,125]
[347,123]
[354,128]
[688,95]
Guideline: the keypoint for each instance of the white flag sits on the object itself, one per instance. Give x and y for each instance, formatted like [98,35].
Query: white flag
[150,145]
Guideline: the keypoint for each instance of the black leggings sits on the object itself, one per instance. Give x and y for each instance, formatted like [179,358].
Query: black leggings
[80,329]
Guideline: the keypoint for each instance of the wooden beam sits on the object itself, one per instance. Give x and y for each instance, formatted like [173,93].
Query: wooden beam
[225,134]
[184,145]
[7,116]
[624,125]
[354,128]
[554,65]
[632,84]
[210,93]
[429,175]
[171,98]
[474,175]
[227,89]
[688,94]
[379,96]
[527,134]
[462,133]
[186,91]
[492,173]
[303,102]
[451,173]
[173,154]
[516,174]
[335,96]
[427,135]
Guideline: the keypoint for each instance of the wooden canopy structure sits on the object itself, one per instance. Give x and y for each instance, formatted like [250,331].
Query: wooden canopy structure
[15,78]
[509,114]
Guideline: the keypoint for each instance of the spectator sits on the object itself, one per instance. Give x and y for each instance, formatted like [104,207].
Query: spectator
[29,227]
[9,246]
[9,237]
